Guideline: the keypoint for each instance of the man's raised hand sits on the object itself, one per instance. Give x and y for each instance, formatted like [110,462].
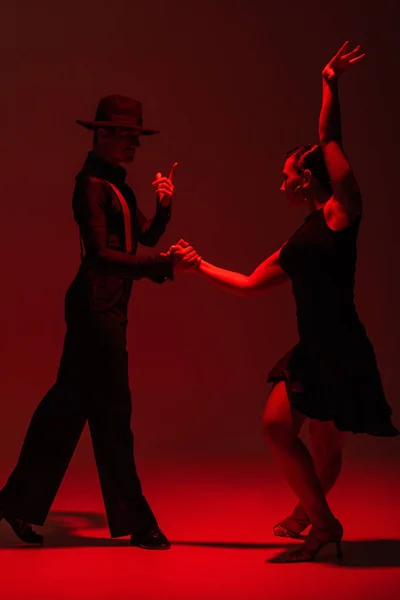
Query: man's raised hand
[164,186]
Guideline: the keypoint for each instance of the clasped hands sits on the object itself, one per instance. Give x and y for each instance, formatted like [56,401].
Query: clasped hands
[183,256]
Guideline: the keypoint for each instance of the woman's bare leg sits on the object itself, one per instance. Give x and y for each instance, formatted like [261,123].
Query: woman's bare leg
[327,452]
[282,425]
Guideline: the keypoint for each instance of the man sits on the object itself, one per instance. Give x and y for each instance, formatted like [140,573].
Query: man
[92,383]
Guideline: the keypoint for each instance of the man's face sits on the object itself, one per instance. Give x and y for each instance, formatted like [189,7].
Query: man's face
[118,144]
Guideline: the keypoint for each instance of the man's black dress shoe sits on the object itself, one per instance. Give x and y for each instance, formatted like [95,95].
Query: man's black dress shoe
[23,530]
[151,539]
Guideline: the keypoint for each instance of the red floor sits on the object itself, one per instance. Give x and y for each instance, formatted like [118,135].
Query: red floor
[219,518]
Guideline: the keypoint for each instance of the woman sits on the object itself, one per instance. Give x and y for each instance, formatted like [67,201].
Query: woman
[330,376]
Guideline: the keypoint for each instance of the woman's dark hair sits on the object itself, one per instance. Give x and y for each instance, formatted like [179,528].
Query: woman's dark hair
[311,157]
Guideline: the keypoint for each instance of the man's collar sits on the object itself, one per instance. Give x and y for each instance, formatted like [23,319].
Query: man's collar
[98,167]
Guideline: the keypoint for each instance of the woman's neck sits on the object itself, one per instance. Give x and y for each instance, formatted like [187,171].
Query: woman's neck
[318,199]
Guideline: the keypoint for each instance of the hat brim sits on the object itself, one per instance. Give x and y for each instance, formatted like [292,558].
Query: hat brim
[92,125]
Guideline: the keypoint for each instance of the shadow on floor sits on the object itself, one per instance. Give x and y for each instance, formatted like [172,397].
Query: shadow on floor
[63,527]
[62,531]
[356,553]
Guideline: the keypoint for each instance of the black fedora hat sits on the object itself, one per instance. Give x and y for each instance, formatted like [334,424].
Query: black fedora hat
[118,111]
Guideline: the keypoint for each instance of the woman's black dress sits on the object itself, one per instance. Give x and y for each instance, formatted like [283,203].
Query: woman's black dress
[331,374]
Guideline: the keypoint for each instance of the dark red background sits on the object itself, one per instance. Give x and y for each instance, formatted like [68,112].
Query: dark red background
[231,85]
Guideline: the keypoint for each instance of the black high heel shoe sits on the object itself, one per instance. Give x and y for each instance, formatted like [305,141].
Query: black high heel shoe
[291,527]
[317,539]
[23,530]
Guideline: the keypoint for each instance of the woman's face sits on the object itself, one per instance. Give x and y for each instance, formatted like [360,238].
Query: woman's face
[292,183]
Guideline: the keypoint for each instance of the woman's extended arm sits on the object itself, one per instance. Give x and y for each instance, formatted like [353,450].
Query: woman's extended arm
[267,275]
[345,204]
